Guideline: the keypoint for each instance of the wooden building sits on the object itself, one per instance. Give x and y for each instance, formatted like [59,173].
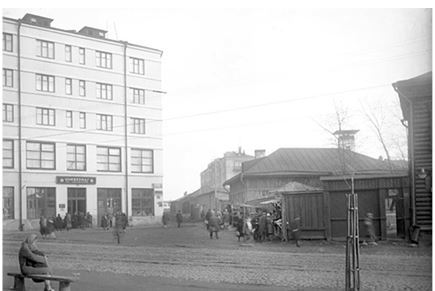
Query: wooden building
[416,102]
[312,184]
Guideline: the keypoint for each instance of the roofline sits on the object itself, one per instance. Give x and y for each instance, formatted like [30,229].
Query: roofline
[370,176]
[83,35]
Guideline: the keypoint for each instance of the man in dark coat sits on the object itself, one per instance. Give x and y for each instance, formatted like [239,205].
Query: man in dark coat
[207,218]
[214,225]
[262,224]
[179,218]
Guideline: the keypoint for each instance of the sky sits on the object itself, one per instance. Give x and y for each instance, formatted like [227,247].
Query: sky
[268,78]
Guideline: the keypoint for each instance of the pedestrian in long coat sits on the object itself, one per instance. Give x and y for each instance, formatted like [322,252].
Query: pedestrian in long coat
[262,223]
[269,226]
[43,226]
[179,218]
[214,226]
[104,222]
[165,219]
[207,217]
[68,221]
[32,261]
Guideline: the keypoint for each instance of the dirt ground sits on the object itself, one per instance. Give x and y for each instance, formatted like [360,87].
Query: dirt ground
[156,258]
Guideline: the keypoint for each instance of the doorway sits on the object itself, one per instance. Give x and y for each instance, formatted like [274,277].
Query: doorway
[77,200]
[394,212]
[109,201]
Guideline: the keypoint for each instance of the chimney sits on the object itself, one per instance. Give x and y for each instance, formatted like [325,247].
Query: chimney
[260,153]
[346,139]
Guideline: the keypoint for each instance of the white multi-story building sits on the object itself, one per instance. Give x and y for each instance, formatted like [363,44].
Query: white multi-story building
[82,124]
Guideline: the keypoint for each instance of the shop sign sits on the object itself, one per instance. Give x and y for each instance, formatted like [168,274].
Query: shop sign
[76,180]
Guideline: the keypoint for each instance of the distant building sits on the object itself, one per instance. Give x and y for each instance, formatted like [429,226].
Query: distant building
[212,194]
[415,97]
[81,124]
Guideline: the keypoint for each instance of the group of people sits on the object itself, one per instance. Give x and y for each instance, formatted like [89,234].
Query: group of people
[117,220]
[214,221]
[47,226]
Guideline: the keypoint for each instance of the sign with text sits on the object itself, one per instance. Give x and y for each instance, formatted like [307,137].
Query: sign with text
[76,180]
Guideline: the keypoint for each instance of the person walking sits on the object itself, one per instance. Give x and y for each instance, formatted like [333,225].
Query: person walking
[43,226]
[207,218]
[269,227]
[214,225]
[262,223]
[179,218]
[165,219]
[368,222]
[296,230]
[68,221]
[32,261]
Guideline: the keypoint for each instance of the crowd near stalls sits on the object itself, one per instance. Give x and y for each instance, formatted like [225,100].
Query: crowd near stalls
[258,223]
[47,226]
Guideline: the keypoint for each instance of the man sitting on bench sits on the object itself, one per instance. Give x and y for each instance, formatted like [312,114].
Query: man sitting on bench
[33,261]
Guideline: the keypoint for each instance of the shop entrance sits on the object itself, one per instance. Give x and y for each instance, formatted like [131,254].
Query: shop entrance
[77,201]
[109,201]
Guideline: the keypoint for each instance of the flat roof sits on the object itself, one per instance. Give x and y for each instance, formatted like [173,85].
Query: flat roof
[84,35]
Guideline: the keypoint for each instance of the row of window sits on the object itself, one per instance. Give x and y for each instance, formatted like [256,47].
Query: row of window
[46,83]
[42,155]
[41,201]
[47,116]
[46,49]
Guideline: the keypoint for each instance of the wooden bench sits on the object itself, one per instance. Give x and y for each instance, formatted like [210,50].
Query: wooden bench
[64,282]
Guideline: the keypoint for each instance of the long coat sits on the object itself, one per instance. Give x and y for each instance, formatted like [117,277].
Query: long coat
[32,260]
[214,223]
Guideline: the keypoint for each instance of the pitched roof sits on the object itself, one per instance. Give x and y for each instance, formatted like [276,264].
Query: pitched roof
[317,161]
[420,86]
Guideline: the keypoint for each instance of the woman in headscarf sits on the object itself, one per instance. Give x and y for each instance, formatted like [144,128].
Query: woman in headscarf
[33,261]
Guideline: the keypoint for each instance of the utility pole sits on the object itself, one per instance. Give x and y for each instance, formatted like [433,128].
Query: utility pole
[352,281]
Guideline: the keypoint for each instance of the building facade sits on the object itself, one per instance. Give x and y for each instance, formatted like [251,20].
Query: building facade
[415,97]
[222,169]
[81,124]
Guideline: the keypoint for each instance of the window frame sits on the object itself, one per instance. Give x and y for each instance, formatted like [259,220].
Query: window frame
[49,46]
[82,56]
[47,195]
[103,59]
[82,120]
[143,195]
[75,161]
[10,195]
[108,155]
[82,88]
[137,66]
[105,88]
[142,164]
[45,79]
[138,125]
[12,150]
[6,78]
[5,42]
[45,112]
[69,119]
[8,108]
[104,119]
[137,97]
[40,151]
[68,86]
[68,53]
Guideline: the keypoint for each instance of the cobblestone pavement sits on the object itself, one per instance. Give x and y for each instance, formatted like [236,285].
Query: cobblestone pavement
[187,253]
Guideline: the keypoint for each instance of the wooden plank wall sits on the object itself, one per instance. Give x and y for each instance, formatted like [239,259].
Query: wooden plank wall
[422,139]
[310,208]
